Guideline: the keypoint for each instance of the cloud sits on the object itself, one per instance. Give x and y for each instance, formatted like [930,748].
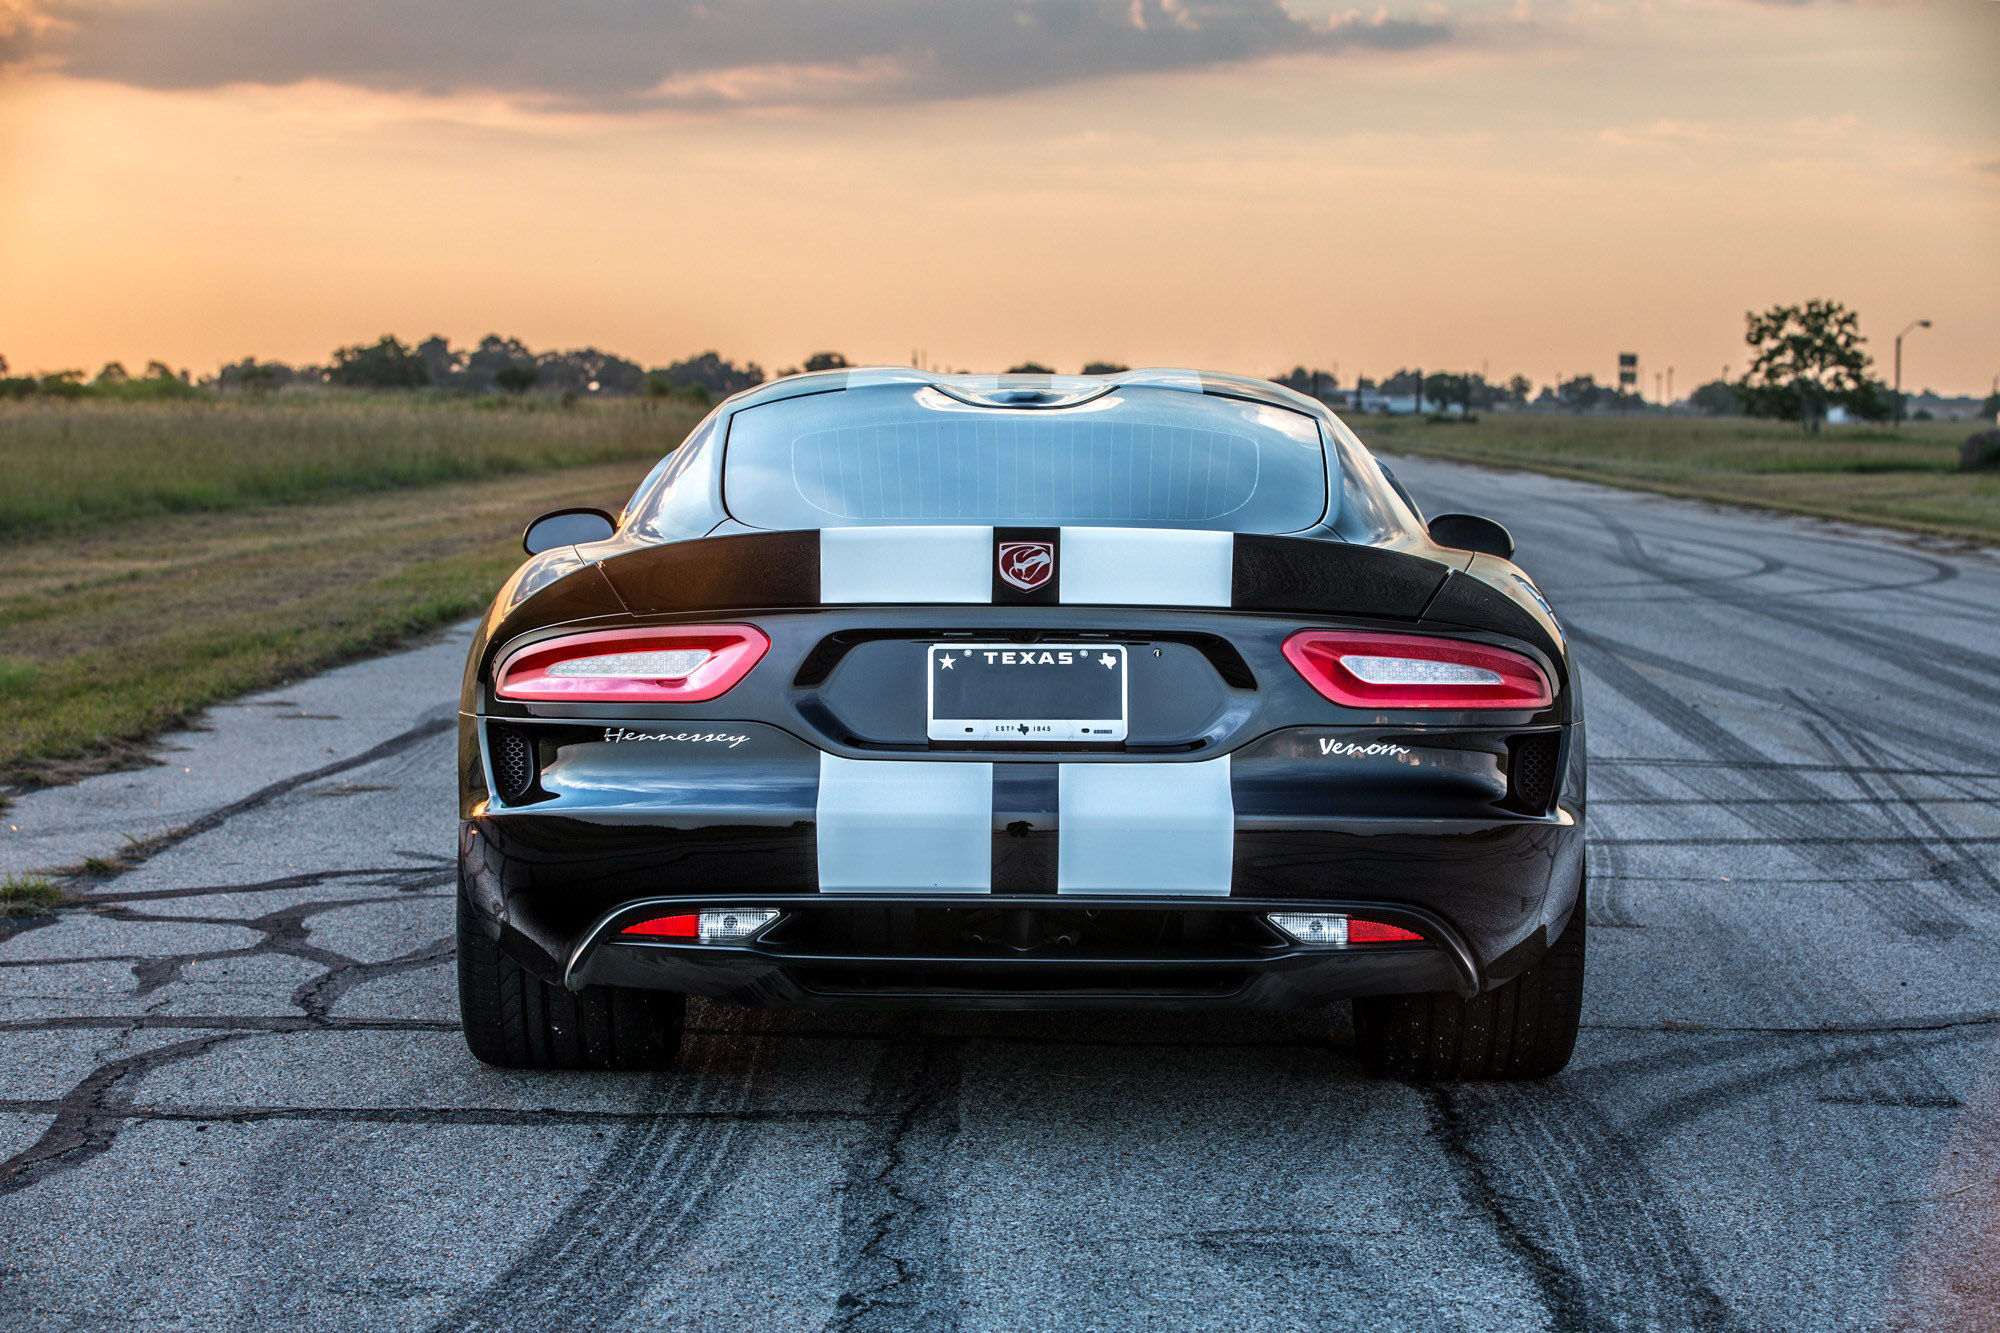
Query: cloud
[637,55]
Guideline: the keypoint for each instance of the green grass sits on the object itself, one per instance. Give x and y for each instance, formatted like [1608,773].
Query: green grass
[75,464]
[1868,474]
[24,895]
[116,632]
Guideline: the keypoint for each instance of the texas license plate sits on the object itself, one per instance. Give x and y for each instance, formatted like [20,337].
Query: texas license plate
[1027,692]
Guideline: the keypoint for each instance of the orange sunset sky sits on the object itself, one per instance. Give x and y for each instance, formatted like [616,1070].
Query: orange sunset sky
[1529,186]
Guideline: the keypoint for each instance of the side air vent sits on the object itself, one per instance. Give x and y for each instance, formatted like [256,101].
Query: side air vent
[516,767]
[1531,772]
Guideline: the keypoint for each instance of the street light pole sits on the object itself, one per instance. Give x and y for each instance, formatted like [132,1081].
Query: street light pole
[1913,324]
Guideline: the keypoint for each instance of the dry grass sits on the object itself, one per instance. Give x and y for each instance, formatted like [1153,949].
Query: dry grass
[115,632]
[72,465]
[1902,479]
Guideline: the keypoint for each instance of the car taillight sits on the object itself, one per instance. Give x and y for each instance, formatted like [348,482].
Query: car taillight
[1363,670]
[674,665]
[1337,928]
[727,925]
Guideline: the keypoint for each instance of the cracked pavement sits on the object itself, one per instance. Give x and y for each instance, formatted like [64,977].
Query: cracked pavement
[235,1093]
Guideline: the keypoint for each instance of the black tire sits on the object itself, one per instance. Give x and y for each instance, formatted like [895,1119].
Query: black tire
[516,1020]
[1521,1029]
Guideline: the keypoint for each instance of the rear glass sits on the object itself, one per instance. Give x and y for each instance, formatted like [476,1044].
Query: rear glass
[906,454]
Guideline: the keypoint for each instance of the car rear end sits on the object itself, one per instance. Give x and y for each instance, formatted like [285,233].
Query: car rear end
[1155,757]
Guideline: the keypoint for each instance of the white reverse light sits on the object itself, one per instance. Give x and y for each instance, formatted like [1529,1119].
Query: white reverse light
[670,664]
[1417,671]
[1312,927]
[733,923]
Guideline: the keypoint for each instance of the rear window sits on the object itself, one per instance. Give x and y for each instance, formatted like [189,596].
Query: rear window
[908,454]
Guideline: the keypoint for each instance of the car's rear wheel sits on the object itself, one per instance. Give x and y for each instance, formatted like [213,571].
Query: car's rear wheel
[1522,1029]
[518,1021]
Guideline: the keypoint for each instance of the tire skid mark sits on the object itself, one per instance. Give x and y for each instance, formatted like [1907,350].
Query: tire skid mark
[633,1222]
[894,1231]
[1959,671]
[227,1113]
[1972,879]
[1782,765]
[1571,1198]
[1791,824]
[1818,1059]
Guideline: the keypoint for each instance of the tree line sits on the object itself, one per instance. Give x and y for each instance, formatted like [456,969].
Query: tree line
[1805,360]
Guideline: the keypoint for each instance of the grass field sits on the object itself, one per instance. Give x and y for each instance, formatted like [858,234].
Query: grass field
[73,464]
[158,557]
[326,528]
[1868,474]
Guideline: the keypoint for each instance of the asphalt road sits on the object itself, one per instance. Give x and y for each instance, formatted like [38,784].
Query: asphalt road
[235,1094]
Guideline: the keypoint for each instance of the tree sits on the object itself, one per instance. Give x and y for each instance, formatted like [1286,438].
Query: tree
[1718,398]
[1804,359]
[113,373]
[384,364]
[710,373]
[825,361]
[62,384]
[444,364]
[1029,368]
[1104,368]
[516,379]
[493,354]
[1519,388]
[1311,383]
[1445,389]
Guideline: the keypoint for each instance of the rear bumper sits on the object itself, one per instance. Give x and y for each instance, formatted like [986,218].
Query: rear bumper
[1407,825]
[1248,965]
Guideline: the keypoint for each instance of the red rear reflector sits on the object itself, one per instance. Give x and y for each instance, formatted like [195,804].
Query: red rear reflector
[1377,932]
[1364,670]
[685,927]
[681,664]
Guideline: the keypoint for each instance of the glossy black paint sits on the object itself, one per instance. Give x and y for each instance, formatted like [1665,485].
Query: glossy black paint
[1470,532]
[635,804]
[567,527]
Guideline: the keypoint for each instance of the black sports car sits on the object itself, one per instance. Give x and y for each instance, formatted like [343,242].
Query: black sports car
[1151,690]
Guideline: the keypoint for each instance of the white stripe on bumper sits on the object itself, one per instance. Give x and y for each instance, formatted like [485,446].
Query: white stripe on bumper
[917,825]
[1146,567]
[917,564]
[1145,828]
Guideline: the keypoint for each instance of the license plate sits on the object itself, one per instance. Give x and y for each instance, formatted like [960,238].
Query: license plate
[1027,692]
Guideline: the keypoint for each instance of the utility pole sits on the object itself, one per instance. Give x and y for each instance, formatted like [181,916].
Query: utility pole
[1913,324]
[1670,386]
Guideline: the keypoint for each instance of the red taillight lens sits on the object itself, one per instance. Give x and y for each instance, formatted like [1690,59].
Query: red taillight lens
[684,927]
[677,665]
[1377,932]
[1415,671]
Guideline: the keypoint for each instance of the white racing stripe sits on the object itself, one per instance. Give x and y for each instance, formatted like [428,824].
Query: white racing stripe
[892,825]
[914,564]
[1145,828]
[1145,567]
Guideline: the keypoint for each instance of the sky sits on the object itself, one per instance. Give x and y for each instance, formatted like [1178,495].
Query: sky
[1527,186]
